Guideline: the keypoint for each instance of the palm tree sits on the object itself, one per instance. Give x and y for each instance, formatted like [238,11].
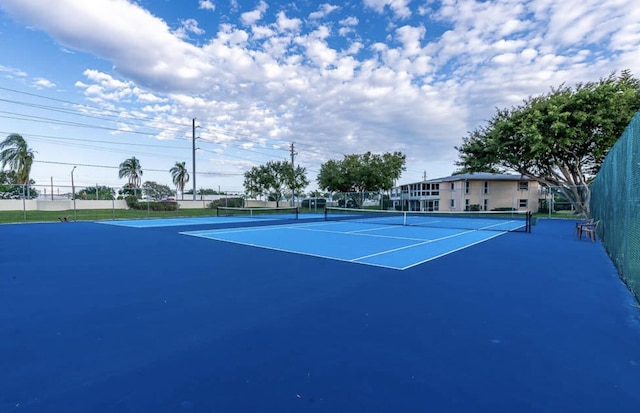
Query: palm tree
[15,153]
[180,176]
[132,170]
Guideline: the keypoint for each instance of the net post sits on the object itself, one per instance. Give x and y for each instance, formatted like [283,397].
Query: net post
[297,210]
[326,213]
[528,222]
[217,211]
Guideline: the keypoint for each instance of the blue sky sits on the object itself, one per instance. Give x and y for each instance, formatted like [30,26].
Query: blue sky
[91,83]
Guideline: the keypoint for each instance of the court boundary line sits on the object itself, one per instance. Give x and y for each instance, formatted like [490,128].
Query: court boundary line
[357,260]
[293,252]
[452,251]
[305,227]
[429,241]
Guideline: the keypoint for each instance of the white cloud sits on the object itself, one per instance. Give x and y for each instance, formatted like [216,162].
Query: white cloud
[140,45]
[105,80]
[146,97]
[251,17]
[323,11]
[348,25]
[13,71]
[41,83]
[157,108]
[206,5]
[285,24]
[349,21]
[400,8]
[188,26]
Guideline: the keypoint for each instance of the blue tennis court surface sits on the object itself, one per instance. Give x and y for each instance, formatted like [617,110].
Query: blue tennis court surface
[110,319]
[390,246]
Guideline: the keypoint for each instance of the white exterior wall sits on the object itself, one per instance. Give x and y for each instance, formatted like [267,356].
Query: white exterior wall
[488,194]
[17,205]
[59,205]
[500,194]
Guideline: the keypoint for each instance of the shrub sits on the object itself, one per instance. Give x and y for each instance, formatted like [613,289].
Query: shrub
[163,206]
[132,201]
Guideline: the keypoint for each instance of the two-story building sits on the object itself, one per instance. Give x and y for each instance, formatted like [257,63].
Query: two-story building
[465,192]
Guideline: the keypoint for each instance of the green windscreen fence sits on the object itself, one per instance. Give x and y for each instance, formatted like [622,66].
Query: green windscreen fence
[615,201]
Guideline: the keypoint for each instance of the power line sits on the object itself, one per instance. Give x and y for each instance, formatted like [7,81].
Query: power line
[111,115]
[117,167]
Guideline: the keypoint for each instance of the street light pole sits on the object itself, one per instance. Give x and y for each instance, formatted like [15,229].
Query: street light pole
[73,194]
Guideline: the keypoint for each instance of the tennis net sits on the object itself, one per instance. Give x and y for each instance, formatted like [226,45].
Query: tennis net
[509,221]
[268,213]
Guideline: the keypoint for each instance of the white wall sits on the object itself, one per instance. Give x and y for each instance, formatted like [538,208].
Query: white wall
[59,205]
[17,205]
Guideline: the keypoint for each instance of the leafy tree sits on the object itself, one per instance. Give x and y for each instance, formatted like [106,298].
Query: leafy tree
[156,191]
[559,139]
[13,191]
[15,152]
[274,179]
[126,191]
[8,177]
[359,173]
[99,192]
[131,170]
[180,176]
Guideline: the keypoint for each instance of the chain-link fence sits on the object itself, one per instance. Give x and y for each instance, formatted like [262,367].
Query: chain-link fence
[615,202]
[563,200]
[36,203]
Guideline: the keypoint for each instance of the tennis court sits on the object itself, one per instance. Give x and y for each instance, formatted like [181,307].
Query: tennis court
[397,247]
[113,318]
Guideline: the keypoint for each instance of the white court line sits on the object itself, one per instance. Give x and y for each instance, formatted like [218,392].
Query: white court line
[376,229]
[357,233]
[412,246]
[306,227]
[327,257]
[451,251]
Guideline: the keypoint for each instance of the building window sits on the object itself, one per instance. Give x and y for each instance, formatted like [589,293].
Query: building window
[523,186]
[485,187]
[452,203]
[523,203]
[467,187]
[485,205]
[466,204]
[453,187]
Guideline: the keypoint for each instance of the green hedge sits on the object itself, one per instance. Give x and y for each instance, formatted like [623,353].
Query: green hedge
[134,203]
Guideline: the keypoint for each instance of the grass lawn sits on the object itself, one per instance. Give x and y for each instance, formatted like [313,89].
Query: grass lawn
[98,214]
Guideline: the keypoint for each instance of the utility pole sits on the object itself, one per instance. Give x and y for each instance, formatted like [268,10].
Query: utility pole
[424,176]
[194,157]
[293,169]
